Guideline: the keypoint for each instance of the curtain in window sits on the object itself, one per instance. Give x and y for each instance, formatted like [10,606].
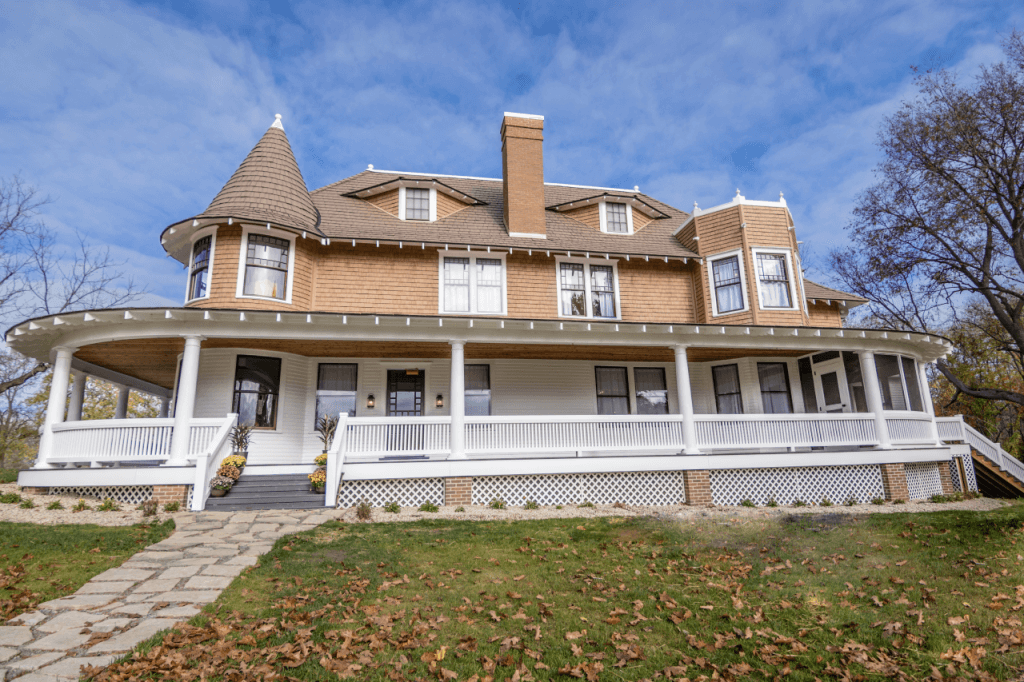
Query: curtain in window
[774,378]
[488,285]
[728,291]
[257,385]
[612,390]
[417,204]
[913,384]
[651,392]
[728,398]
[266,267]
[335,390]
[774,280]
[456,285]
[478,390]
[602,288]
[891,382]
[615,218]
[574,293]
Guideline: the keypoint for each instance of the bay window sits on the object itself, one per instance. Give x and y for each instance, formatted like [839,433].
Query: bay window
[267,263]
[773,279]
[472,284]
[587,290]
[727,285]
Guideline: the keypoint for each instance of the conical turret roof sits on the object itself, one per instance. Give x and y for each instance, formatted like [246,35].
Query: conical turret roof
[267,187]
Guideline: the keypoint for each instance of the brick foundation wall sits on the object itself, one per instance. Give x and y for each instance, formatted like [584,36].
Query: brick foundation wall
[945,478]
[697,485]
[35,491]
[458,491]
[894,480]
[163,494]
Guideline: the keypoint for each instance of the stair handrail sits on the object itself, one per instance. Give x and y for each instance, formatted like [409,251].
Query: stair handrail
[336,461]
[208,462]
[994,451]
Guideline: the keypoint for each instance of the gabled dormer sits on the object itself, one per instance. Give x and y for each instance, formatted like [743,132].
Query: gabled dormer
[423,199]
[611,213]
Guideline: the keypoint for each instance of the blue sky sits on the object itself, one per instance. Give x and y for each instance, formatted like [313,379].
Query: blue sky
[132,115]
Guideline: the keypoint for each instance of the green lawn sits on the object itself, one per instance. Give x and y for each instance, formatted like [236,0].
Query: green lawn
[885,596]
[8,475]
[39,563]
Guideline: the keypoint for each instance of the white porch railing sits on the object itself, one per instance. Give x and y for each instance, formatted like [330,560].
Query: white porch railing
[208,461]
[910,428]
[114,441]
[560,434]
[785,430]
[336,461]
[396,436]
[955,429]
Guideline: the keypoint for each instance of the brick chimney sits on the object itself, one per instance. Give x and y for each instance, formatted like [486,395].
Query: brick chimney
[522,172]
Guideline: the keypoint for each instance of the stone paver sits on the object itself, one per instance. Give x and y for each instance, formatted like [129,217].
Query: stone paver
[164,584]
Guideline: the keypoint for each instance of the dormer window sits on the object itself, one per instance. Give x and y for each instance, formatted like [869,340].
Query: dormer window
[616,217]
[417,204]
[198,280]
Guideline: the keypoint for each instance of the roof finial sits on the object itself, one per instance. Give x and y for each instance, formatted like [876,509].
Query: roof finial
[277,122]
[636,188]
[737,191]
[369,166]
[782,199]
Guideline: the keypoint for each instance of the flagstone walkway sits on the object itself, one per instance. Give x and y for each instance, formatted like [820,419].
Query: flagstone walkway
[161,585]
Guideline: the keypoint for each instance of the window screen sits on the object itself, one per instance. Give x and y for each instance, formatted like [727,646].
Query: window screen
[855,381]
[728,398]
[266,267]
[615,218]
[891,382]
[774,378]
[913,384]
[417,204]
[771,269]
[200,268]
[335,390]
[651,391]
[257,384]
[807,385]
[478,390]
[728,291]
[612,390]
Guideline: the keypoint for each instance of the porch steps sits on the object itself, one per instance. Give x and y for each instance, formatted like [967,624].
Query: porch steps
[283,491]
[994,481]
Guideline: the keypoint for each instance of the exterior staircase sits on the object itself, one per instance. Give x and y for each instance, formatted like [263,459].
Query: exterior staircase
[282,491]
[999,473]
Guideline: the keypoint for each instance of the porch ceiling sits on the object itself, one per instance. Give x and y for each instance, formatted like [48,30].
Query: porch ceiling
[155,360]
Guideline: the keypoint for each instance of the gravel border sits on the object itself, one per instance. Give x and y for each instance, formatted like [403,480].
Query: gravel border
[128,516]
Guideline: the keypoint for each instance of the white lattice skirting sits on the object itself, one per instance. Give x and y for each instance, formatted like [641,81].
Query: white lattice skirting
[810,484]
[128,494]
[646,487]
[407,492]
[954,473]
[923,480]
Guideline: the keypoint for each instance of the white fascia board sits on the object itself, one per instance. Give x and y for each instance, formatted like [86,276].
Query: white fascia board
[108,476]
[561,463]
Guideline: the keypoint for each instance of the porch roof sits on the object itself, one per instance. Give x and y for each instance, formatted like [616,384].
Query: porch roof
[144,342]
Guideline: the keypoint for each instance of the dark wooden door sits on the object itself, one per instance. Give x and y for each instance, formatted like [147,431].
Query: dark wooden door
[405,393]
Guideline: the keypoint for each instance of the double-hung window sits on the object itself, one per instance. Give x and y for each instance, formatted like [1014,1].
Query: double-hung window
[587,290]
[266,267]
[257,386]
[773,280]
[335,390]
[728,284]
[651,391]
[774,378]
[728,396]
[199,277]
[612,390]
[472,284]
[478,390]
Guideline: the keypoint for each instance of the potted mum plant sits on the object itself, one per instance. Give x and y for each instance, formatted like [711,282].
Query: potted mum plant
[318,480]
[220,485]
[236,461]
[325,428]
[240,440]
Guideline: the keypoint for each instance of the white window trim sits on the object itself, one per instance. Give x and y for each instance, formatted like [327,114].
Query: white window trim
[602,211]
[789,271]
[472,256]
[210,232]
[587,262]
[433,204]
[243,252]
[743,283]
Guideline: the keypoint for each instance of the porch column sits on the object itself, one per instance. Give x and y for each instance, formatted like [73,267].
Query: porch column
[164,405]
[77,397]
[685,396]
[55,404]
[186,401]
[926,398]
[873,393]
[457,400]
[121,411]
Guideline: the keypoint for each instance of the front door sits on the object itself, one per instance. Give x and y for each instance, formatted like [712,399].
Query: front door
[830,386]
[405,392]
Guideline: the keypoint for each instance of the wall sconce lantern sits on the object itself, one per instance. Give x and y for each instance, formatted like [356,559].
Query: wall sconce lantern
[370,402]
[440,400]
